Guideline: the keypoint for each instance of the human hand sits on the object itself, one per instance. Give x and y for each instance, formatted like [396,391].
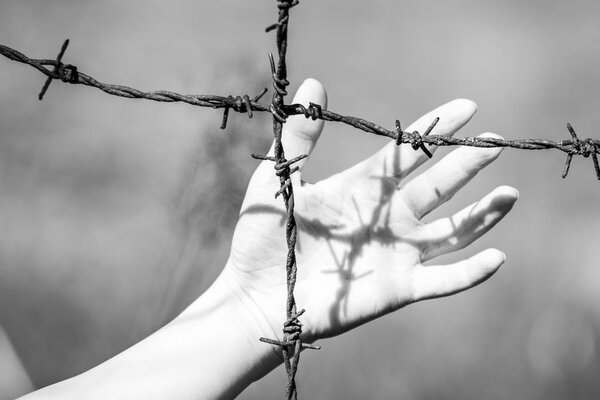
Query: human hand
[360,251]
[361,241]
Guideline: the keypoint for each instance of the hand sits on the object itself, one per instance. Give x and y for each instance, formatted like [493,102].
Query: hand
[360,253]
[361,244]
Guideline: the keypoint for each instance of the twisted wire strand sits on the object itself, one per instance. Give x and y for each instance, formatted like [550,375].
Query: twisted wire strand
[245,104]
[291,344]
[70,74]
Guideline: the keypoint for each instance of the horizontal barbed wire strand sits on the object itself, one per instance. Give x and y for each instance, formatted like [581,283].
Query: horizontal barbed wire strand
[245,104]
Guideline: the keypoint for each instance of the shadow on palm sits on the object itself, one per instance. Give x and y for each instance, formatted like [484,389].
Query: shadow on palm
[355,230]
[361,264]
[361,243]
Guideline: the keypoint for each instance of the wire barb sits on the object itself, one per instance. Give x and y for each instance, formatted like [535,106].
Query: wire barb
[417,141]
[414,138]
[55,71]
[279,84]
[596,165]
[225,118]
[275,25]
[398,133]
[262,157]
[585,148]
[287,163]
[282,344]
[314,111]
[430,128]
[240,104]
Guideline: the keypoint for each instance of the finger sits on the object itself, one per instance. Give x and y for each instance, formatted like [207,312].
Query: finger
[463,228]
[299,133]
[445,280]
[394,161]
[441,182]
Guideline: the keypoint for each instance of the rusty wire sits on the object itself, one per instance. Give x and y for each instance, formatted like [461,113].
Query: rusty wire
[71,74]
[291,343]
[246,104]
[292,328]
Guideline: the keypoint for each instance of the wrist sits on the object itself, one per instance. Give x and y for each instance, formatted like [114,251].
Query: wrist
[237,315]
[211,350]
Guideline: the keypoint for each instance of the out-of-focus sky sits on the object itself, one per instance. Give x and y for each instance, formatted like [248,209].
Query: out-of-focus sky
[111,222]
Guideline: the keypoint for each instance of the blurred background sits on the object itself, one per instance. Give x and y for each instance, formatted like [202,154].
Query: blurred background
[117,213]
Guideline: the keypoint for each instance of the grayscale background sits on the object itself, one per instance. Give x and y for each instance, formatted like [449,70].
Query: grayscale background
[117,213]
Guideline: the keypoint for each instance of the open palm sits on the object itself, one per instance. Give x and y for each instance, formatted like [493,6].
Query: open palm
[361,243]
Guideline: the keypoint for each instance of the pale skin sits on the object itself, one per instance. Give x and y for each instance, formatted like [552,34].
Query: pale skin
[361,251]
[14,380]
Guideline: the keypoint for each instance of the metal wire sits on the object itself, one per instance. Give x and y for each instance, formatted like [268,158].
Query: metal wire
[245,104]
[291,343]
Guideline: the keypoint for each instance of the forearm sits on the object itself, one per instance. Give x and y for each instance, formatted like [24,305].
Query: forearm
[14,380]
[209,351]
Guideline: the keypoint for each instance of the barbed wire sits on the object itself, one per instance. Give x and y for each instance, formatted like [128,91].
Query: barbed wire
[247,105]
[291,343]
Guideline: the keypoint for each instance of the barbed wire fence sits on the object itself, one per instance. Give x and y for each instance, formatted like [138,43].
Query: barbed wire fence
[292,344]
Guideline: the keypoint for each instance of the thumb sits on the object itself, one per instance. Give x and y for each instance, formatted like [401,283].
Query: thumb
[300,134]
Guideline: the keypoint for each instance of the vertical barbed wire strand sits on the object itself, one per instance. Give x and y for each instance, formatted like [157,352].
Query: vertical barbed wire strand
[292,328]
